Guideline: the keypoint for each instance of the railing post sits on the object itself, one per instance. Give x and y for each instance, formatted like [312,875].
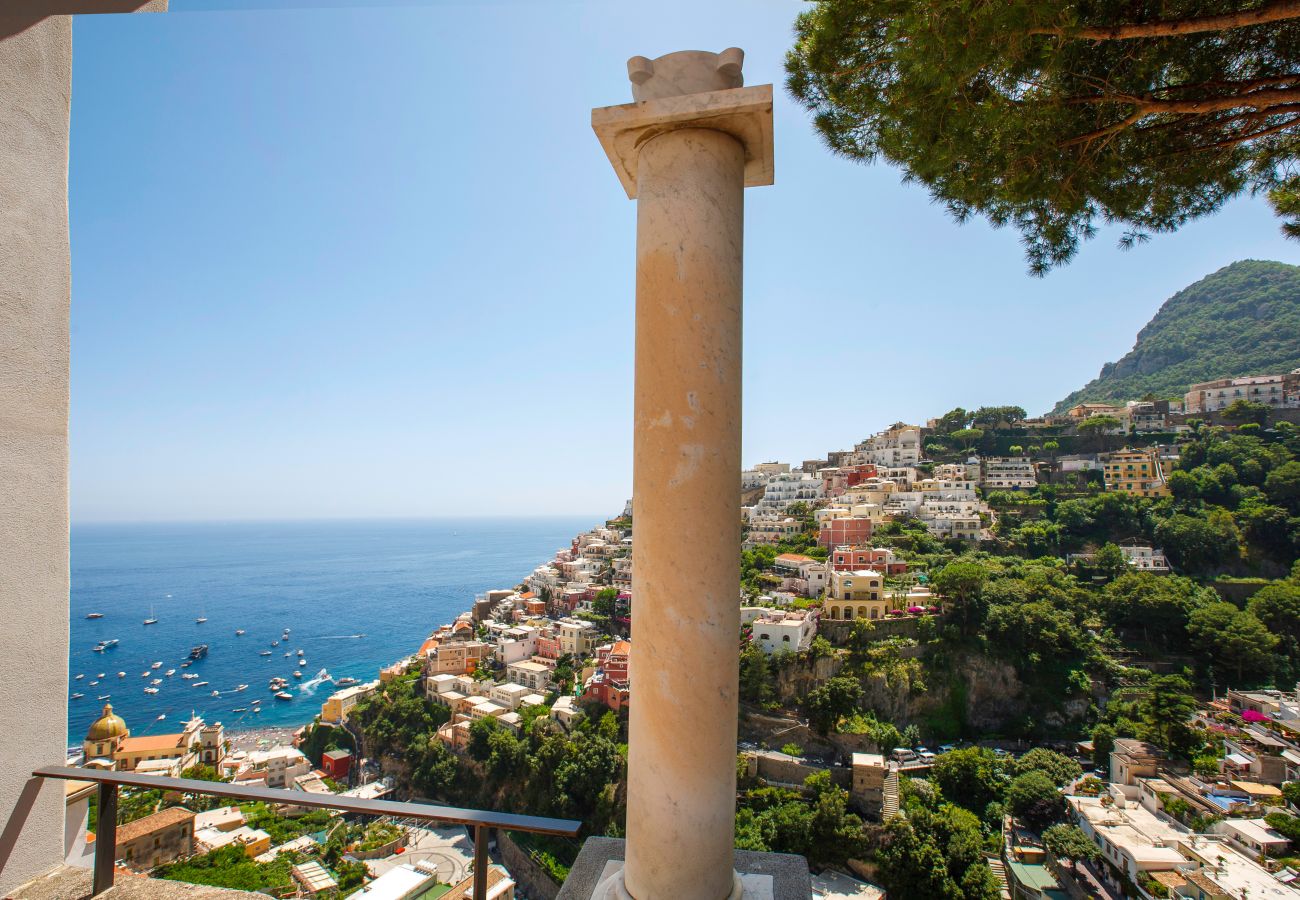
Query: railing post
[105,837]
[480,862]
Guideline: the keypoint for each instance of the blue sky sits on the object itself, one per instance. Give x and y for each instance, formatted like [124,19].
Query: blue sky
[369,260]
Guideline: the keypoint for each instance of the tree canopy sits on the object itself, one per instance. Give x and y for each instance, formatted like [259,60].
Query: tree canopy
[1054,117]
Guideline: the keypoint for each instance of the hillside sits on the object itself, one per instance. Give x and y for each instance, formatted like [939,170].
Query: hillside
[1242,320]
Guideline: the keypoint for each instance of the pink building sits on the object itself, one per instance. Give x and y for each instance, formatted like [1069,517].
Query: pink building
[846,531]
[852,559]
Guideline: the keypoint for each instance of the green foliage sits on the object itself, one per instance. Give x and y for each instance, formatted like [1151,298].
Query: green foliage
[229,867]
[1246,411]
[1233,641]
[832,701]
[757,681]
[792,749]
[1242,320]
[1034,799]
[1200,544]
[961,584]
[1042,116]
[1287,826]
[1069,842]
[971,777]
[1061,769]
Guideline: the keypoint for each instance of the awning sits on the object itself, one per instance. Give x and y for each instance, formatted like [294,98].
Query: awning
[1291,756]
[1237,759]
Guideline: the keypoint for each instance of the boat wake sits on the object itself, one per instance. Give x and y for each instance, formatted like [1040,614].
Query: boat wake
[309,687]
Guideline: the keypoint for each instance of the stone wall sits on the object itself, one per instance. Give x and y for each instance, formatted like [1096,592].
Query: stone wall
[35,286]
[531,878]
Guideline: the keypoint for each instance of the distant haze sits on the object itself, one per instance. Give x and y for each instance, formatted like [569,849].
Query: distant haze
[337,262]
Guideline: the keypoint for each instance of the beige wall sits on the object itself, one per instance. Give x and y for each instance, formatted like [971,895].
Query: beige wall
[35,92]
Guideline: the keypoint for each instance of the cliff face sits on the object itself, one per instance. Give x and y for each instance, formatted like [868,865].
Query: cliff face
[973,693]
[1242,320]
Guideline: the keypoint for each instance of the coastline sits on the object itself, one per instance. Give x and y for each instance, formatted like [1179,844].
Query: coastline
[254,738]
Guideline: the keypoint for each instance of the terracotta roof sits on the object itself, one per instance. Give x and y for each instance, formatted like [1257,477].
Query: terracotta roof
[527,595]
[795,557]
[151,742]
[620,648]
[156,822]
[429,644]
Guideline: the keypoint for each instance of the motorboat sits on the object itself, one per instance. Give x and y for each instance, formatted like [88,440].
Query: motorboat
[150,690]
[110,643]
[79,677]
[77,696]
[94,615]
[199,684]
[239,632]
[265,653]
[188,676]
[161,717]
[275,643]
[121,674]
[216,693]
[242,687]
[93,683]
[104,696]
[199,652]
[155,682]
[157,665]
[144,674]
[346,681]
[170,672]
[240,709]
[283,695]
[297,674]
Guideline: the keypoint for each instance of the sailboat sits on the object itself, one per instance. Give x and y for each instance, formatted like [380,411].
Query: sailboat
[152,620]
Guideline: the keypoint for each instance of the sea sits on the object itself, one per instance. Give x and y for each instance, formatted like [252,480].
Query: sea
[353,596]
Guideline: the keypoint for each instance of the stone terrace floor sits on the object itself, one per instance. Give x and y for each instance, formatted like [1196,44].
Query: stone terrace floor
[67,883]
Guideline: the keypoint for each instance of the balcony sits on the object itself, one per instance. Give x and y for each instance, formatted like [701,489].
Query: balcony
[72,883]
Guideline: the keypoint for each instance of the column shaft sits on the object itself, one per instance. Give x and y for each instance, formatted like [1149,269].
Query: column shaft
[686,520]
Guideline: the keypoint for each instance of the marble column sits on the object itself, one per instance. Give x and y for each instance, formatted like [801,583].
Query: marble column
[686,150]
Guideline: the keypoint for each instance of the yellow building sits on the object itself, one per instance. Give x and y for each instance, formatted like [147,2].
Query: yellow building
[109,744]
[1136,472]
[858,595]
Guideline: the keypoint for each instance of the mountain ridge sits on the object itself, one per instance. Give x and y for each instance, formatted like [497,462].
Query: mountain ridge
[1243,319]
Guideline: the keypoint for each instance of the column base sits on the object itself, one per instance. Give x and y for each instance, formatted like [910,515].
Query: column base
[597,874]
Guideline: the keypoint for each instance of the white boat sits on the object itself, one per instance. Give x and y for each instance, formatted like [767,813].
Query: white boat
[242,687]
[265,653]
[239,632]
[149,690]
[297,674]
[216,693]
[157,665]
[170,672]
[99,648]
[188,676]
[110,643]
[161,717]
[104,696]
[199,684]
[275,643]
[185,665]
[200,620]
[77,696]
[287,655]
[93,683]
[144,674]
[121,674]
[257,709]
[94,615]
[240,709]
[100,675]
[79,677]
[155,682]
[283,695]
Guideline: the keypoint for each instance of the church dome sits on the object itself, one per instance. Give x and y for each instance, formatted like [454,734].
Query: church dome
[107,727]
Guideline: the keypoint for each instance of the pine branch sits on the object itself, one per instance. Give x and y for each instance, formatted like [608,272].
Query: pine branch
[1275,11]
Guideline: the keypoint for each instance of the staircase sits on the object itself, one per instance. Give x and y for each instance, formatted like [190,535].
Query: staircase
[1000,873]
[889,805]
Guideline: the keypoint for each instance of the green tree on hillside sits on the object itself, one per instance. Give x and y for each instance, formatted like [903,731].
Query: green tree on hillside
[1054,117]
[961,584]
[1233,641]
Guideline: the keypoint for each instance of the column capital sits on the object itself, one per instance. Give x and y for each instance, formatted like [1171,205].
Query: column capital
[745,113]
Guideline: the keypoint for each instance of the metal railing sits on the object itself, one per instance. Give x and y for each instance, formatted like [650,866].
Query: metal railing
[479,820]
